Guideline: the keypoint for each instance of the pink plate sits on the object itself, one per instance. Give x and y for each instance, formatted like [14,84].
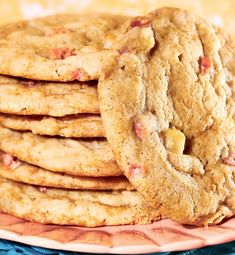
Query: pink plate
[164,235]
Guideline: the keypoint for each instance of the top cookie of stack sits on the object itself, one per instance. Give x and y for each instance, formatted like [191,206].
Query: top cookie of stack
[58,48]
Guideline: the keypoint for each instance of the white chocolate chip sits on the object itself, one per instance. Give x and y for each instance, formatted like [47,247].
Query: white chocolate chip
[174,141]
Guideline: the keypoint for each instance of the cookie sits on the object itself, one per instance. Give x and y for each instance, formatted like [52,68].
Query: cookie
[80,125]
[82,208]
[25,97]
[13,169]
[63,47]
[166,104]
[76,157]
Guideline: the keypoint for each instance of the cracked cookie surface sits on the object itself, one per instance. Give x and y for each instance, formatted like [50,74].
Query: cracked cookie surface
[167,102]
[58,48]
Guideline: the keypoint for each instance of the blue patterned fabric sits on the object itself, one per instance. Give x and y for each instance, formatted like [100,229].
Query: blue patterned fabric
[12,248]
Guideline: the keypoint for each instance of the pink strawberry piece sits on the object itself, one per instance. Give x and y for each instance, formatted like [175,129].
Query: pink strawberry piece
[80,75]
[140,22]
[58,30]
[15,164]
[139,129]
[43,189]
[29,83]
[230,160]
[77,74]
[10,161]
[124,51]
[136,171]
[60,53]
[7,159]
[204,64]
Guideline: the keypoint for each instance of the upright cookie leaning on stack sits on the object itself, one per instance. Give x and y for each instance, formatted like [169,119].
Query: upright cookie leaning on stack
[167,105]
[54,156]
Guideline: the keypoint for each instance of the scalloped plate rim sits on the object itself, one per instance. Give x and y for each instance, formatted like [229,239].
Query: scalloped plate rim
[125,249]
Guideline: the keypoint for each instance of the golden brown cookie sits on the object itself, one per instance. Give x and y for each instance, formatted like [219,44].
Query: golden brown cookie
[166,105]
[13,169]
[76,157]
[63,47]
[80,125]
[26,97]
[82,208]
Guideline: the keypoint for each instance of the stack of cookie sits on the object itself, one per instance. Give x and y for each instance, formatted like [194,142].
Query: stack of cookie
[51,135]
[166,99]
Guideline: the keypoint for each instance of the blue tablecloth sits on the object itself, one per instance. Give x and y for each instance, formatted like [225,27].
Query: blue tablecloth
[12,248]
